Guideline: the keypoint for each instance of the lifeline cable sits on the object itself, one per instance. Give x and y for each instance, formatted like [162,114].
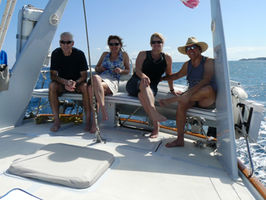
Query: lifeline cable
[97,133]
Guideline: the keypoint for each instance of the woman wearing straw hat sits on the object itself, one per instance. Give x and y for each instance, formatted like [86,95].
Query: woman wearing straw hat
[201,85]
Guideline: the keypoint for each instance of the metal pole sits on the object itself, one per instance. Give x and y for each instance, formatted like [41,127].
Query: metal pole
[10,12]
[97,133]
[4,17]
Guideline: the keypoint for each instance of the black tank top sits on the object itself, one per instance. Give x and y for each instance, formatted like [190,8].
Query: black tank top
[154,69]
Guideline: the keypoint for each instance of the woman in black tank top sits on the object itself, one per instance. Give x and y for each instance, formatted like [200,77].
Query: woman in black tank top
[150,66]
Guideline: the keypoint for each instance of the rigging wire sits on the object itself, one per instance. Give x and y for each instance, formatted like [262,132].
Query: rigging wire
[97,133]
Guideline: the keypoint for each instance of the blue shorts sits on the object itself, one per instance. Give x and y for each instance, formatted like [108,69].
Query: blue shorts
[133,83]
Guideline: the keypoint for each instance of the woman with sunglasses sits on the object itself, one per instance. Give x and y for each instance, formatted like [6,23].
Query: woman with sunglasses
[109,67]
[150,66]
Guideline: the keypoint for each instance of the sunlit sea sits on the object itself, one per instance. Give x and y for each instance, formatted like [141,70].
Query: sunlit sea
[252,76]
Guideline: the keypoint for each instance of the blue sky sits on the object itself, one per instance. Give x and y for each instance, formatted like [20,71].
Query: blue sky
[135,21]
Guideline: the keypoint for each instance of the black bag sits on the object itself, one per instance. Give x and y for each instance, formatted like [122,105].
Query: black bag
[132,86]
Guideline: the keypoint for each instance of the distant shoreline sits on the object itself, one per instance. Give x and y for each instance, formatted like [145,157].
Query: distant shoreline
[242,59]
[246,59]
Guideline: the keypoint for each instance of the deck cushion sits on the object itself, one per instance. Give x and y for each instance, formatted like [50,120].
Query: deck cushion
[73,166]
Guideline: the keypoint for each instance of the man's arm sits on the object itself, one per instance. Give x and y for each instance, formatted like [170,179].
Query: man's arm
[54,77]
[181,73]
[69,84]
[83,78]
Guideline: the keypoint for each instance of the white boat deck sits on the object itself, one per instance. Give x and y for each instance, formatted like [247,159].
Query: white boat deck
[143,167]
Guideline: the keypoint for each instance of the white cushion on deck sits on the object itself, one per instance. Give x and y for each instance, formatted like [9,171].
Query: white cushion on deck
[69,165]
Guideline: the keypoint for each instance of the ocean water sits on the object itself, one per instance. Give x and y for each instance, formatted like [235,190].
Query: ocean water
[251,75]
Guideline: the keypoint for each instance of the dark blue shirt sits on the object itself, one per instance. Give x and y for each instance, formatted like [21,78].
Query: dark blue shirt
[195,74]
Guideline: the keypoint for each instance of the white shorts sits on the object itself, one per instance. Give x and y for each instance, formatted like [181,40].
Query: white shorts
[111,82]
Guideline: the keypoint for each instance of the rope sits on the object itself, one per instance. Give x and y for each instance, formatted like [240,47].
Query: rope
[97,133]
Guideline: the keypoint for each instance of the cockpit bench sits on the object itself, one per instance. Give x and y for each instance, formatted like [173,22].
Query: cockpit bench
[122,98]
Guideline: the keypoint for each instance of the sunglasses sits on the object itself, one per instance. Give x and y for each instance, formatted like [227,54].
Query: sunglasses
[191,47]
[113,44]
[157,42]
[65,42]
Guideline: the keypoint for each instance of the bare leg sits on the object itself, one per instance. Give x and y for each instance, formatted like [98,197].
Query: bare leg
[180,122]
[147,96]
[85,100]
[54,90]
[164,102]
[93,126]
[156,128]
[156,125]
[143,103]
[205,96]
[99,93]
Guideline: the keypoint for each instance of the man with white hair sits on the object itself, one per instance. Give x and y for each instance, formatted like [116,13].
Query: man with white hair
[68,73]
[201,92]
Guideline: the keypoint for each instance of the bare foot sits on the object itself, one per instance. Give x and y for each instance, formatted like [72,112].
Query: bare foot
[55,127]
[154,134]
[175,143]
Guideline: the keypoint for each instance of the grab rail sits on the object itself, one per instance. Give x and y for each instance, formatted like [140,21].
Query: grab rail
[245,134]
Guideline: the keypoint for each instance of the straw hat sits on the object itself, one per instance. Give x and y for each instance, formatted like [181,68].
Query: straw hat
[191,41]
